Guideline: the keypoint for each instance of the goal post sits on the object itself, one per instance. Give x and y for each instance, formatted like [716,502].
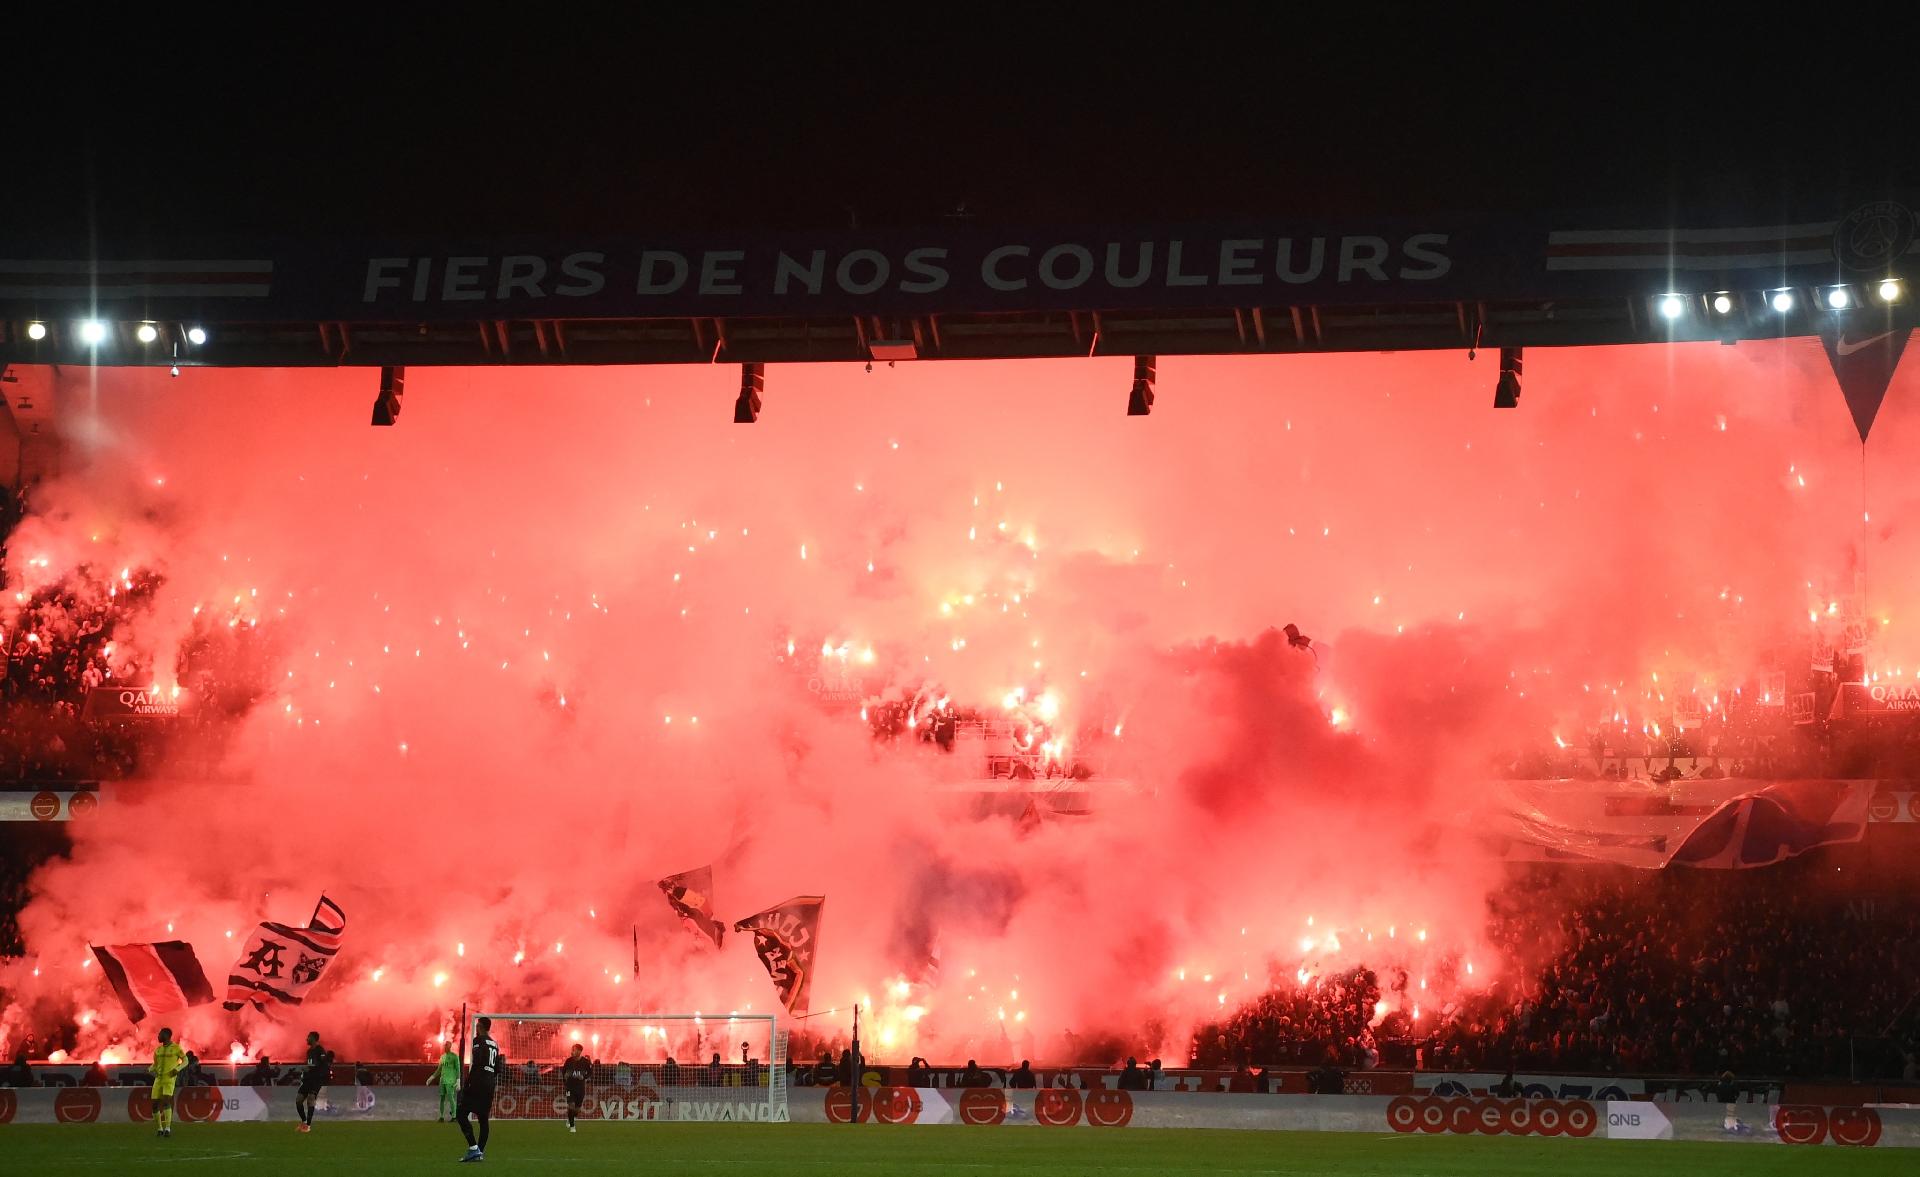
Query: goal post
[644,1066]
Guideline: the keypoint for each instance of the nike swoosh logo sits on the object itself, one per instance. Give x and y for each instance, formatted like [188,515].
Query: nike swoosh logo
[1847,347]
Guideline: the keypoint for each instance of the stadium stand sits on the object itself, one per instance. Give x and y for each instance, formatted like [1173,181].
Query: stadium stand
[1606,970]
[1615,971]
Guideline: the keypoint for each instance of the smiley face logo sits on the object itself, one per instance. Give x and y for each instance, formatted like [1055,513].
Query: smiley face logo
[1855,1127]
[896,1105]
[983,1106]
[1109,1109]
[200,1105]
[76,1105]
[1800,1124]
[1056,1107]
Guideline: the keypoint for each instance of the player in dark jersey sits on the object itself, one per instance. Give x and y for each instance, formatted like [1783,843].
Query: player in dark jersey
[574,1073]
[319,1064]
[484,1067]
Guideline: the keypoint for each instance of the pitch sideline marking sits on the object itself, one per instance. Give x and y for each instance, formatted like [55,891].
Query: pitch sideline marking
[152,1159]
[849,1163]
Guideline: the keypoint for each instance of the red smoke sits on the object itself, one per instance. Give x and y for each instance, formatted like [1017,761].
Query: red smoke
[520,663]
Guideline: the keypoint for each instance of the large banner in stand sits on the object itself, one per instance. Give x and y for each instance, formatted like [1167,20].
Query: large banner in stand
[961,267]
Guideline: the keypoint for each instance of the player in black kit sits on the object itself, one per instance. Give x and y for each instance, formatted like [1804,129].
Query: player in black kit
[319,1064]
[484,1067]
[574,1073]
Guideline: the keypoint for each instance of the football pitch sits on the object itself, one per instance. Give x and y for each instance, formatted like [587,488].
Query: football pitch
[721,1150]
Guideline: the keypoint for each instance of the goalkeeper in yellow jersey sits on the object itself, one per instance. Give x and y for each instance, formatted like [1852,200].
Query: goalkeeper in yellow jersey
[169,1059]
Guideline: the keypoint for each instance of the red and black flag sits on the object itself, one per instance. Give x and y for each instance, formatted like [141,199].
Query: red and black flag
[282,962]
[786,938]
[691,895]
[154,978]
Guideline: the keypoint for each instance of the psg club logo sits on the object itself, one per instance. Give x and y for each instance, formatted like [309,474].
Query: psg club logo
[1873,235]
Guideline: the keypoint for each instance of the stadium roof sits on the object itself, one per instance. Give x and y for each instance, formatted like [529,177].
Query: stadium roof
[778,123]
[317,162]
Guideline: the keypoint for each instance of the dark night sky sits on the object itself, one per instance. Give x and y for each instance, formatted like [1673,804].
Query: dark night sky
[354,127]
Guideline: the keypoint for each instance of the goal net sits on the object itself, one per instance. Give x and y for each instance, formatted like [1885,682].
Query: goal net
[644,1066]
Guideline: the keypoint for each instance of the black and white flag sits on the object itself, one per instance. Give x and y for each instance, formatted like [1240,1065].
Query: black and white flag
[283,963]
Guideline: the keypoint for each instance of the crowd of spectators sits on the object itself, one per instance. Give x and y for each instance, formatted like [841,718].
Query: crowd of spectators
[1793,754]
[60,640]
[13,897]
[13,508]
[1304,1023]
[1610,970]
[55,643]
[1788,726]
[1012,745]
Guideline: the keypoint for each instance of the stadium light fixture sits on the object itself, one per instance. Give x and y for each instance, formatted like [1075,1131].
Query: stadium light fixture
[93,332]
[1723,303]
[1839,298]
[1672,306]
[36,331]
[1506,392]
[1890,290]
[146,333]
[1781,300]
[1145,372]
[753,382]
[393,386]
[196,335]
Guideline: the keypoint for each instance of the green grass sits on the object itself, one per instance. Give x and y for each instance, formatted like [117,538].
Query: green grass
[719,1150]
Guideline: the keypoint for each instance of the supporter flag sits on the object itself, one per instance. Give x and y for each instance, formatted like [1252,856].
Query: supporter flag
[282,962]
[1031,818]
[690,893]
[786,938]
[154,978]
[1720,824]
[1776,823]
[1800,707]
[1823,650]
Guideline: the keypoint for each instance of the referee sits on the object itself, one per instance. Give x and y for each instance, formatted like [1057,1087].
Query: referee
[485,1065]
